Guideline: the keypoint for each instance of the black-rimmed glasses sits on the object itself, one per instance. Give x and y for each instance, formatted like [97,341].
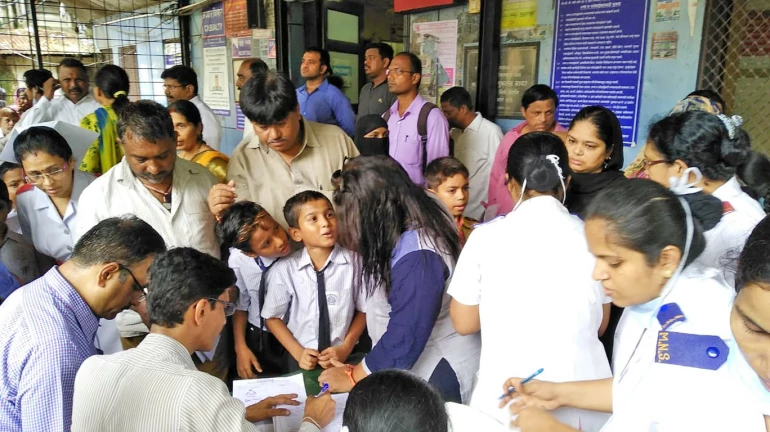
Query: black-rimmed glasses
[142,290]
[229,306]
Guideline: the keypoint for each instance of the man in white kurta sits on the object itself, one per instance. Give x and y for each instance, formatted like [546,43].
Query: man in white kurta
[475,142]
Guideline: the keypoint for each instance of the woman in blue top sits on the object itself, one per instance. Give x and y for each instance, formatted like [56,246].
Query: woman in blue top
[407,248]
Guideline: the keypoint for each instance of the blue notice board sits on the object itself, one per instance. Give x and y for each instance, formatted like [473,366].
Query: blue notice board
[598,58]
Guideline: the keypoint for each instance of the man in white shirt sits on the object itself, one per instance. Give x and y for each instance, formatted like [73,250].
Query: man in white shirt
[155,386]
[181,82]
[248,69]
[75,103]
[167,192]
[475,142]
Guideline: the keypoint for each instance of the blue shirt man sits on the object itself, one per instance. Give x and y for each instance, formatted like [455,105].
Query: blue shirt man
[49,325]
[320,101]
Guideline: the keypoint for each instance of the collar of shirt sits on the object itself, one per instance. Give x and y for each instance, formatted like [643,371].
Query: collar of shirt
[308,139]
[79,182]
[73,302]
[196,100]
[475,124]
[320,89]
[414,107]
[384,81]
[730,189]
[336,257]
[87,99]
[178,352]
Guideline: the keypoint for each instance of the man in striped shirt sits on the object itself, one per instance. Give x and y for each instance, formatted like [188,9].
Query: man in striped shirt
[155,387]
[49,325]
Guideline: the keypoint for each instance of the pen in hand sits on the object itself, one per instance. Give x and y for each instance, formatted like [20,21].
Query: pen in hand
[512,390]
[324,389]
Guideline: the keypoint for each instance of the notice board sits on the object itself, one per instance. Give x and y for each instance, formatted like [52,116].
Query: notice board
[598,57]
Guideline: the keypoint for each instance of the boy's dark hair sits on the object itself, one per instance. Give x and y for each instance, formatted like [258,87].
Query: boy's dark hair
[711,95]
[325,58]
[41,138]
[385,50]
[291,209]
[181,277]
[7,166]
[269,98]
[438,171]
[70,62]
[184,74]
[146,119]
[36,78]
[539,92]
[9,112]
[457,97]
[5,198]
[415,64]
[237,224]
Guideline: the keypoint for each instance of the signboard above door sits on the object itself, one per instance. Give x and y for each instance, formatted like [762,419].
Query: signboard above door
[414,5]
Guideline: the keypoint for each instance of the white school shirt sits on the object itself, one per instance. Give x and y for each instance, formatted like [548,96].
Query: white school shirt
[212,130]
[475,146]
[13,221]
[538,303]
[725,241]
[190,223]
[652,396]
[248,276]
[61,108]
[41,224]
[292,295]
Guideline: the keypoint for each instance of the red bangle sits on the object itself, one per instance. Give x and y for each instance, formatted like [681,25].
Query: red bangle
[349,373]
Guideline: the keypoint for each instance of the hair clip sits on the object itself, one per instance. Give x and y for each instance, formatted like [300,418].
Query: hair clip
[555,161]
[731,123]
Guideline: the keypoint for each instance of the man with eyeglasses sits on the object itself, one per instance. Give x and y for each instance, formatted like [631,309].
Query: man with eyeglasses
[187,305]
[181,82]
[49,325]
[412,148]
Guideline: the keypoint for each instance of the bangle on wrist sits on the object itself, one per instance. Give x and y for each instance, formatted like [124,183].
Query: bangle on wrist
[310,420]
[349,373]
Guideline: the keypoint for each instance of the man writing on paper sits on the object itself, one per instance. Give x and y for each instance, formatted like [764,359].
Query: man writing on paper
[156,386]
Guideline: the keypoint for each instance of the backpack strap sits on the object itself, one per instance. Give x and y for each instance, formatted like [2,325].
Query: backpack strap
[422,130]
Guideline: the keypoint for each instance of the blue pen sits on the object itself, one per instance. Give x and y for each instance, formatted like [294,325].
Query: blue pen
[324,389]
[511,390]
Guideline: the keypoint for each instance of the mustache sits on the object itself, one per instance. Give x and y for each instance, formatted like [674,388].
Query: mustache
[154,178]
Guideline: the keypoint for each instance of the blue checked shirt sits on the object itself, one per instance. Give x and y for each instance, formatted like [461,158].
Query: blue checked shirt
[48,331]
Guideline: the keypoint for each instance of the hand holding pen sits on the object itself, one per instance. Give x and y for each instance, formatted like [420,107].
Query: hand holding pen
[542,394]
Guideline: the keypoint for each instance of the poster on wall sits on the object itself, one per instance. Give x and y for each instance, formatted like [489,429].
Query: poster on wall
[172,54]
[664,45]
[517,73]
[518,14]
[438,45]
[271,49]
[240,118]
[216,77]
[241,47]
[236,18]
[598,59]
[668,10]
[213,21]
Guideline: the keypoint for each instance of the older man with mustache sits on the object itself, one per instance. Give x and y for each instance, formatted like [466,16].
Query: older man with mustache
[76,103]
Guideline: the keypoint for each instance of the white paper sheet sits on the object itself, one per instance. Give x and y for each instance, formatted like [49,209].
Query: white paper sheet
[294,420]
[254,390]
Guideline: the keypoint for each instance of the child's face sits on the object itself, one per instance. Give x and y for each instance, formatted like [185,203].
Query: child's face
[454,194]
[269,240]
[13,180]
[317,225]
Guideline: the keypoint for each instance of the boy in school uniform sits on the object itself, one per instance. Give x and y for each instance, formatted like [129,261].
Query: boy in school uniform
[312,307]
[256,243]
[448,179]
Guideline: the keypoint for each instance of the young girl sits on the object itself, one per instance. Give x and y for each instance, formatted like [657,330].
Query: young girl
[670,348]
[190,145]
[704,150]
[257,241]
[494,284]
[112,92]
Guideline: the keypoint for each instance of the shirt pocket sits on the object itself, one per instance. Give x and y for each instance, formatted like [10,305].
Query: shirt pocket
[409,150]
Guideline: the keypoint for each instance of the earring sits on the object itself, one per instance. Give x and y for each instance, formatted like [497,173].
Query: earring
[667,274]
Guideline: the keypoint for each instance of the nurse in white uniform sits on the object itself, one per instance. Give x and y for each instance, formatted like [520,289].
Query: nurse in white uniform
[711,147]
[525,281]
[750,319]
[671,370]
[47,205]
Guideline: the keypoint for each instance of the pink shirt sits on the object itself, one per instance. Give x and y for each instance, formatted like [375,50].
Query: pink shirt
[498,192]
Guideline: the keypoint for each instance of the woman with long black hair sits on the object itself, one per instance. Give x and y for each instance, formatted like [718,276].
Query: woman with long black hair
[407,247]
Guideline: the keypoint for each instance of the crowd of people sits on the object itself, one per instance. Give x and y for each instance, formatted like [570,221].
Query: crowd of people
[142,270]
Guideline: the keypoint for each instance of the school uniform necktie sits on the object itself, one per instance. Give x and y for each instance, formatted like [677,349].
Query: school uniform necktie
[324,325]
[262,294]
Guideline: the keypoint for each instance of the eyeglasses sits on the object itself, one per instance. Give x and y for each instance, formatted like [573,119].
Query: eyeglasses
[52,175]
[172,86]
[137,287]
[229,306]
[398,71]
[647,164]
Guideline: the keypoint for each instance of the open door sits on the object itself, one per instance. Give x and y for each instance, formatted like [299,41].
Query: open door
[342,38]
